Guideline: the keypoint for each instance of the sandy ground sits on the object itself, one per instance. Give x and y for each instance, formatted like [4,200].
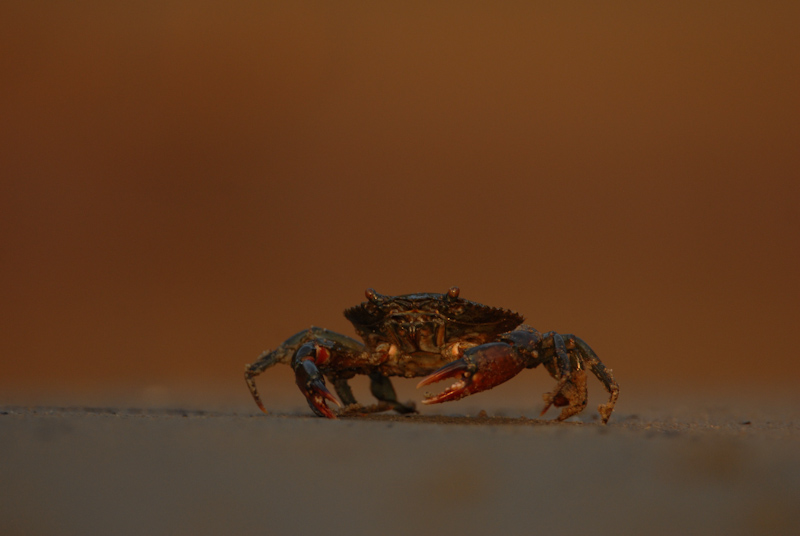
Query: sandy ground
[713,468]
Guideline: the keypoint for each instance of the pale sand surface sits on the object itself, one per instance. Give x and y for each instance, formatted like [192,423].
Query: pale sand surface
[704,468]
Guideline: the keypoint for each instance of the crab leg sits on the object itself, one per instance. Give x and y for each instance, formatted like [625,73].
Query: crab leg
[316,345]
[381,388]
[565,357]
[344,392]
[567,393]
[264,361]
[600,371]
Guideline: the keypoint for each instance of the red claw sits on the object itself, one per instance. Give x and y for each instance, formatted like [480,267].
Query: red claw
[481,368]
[317,396]
[312,385]
[459,367]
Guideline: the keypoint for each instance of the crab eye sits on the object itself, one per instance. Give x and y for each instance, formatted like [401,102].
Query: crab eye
[453,292]
[372,295]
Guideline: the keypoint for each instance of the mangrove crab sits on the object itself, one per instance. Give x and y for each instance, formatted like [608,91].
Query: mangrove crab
[438,336]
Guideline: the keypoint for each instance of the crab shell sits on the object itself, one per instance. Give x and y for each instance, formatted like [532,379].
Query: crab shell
[428,323]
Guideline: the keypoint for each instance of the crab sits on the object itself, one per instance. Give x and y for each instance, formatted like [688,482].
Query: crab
[438,336]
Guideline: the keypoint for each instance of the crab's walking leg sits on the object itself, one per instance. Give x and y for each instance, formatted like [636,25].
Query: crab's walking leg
[264,361]
[381,388]
[570,392]
[600,371]
[344,391]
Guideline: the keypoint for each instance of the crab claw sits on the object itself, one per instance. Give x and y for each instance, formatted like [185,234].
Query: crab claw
[481,368]
[312,385]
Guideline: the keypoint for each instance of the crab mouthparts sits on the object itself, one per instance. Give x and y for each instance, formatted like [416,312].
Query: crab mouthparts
[458,389]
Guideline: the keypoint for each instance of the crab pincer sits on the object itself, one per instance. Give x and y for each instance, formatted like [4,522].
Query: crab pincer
[310,380]
[481,368]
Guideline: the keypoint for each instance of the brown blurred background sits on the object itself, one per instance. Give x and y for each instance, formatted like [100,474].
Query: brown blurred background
[186,184]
